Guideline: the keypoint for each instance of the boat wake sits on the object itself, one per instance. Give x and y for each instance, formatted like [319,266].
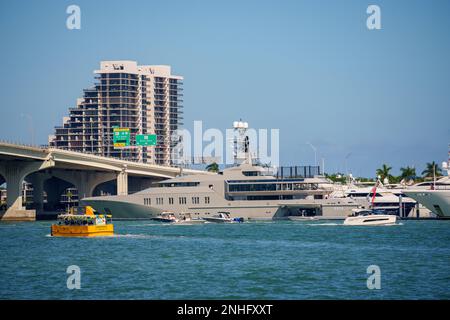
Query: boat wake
[134,236]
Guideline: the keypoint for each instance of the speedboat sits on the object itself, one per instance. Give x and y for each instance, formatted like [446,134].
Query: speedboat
[364,217]
[167,217]
[220,217]
[302,218]
[187,218]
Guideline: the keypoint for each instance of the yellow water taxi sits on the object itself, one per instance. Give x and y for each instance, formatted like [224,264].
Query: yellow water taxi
[82,222]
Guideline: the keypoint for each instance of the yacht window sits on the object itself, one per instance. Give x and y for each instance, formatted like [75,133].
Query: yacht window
[179,184]
[195,200]
[250,173]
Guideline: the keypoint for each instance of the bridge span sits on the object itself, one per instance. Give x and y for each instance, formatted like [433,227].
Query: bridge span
[54,170]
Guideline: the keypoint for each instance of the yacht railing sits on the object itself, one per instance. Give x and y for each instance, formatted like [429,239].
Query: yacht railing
[294,172]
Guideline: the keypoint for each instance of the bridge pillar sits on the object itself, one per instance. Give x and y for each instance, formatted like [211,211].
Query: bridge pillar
[14,172]
[122,182]
[37,180]
[55,188]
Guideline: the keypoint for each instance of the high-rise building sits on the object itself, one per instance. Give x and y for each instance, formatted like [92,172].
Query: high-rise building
[145,99]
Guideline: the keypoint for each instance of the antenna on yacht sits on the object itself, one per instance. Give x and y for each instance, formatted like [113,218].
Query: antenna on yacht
[241,143]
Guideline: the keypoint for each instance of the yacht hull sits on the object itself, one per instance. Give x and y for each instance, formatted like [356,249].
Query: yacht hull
[132,207]
[123,209]
[438,201]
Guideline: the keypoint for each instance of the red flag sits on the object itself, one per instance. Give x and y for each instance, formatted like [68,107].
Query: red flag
[374,192]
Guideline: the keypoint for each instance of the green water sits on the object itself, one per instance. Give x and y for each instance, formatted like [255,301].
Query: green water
[257,260]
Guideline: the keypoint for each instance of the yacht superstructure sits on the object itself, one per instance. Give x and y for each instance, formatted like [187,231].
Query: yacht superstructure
[383,199]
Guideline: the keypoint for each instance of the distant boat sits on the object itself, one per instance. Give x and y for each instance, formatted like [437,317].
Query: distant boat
[364,217]
[167,217]
[186,218]
[301,218]
[220,217]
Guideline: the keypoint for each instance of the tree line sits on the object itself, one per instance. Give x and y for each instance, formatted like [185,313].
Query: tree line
[407,174]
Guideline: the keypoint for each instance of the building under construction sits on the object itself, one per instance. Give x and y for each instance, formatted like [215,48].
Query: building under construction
[145,99]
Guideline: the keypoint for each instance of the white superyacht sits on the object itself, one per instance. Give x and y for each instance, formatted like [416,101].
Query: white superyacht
[246,191]
[434,195]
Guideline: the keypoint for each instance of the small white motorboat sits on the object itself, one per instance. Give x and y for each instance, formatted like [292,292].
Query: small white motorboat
[187,218]
[302,218]
[167,217]
[365,217]
[220,217]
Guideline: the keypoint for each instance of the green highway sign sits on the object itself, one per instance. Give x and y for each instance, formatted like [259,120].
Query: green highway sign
[121,137]
[146,140]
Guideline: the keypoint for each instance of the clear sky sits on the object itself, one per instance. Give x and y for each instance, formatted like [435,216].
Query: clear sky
[310,68]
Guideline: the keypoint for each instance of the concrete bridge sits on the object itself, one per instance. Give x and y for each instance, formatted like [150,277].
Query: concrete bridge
[54,170]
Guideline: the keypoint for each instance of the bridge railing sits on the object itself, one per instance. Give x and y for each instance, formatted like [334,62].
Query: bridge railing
[46,147]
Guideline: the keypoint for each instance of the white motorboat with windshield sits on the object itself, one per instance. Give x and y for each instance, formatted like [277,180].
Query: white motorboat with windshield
[364,217]
[302,216]
[168,217]
[187,218]
[220,217]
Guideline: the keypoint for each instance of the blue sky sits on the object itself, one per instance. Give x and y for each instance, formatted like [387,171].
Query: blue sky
[310,68]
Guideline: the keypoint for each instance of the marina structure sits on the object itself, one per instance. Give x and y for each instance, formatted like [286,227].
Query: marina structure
[143,99]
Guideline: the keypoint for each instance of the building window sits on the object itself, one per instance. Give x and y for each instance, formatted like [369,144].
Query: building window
[195,200]
[207,200]
[170,200]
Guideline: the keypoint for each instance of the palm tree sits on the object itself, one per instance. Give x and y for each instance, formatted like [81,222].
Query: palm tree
[384,172]
[432,169]
[408,173]
[212,167]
